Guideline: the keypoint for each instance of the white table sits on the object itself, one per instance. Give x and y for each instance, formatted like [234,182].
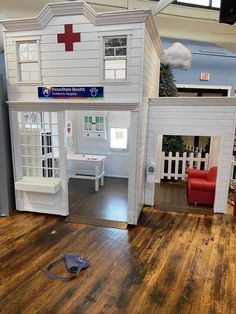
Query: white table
[96,160]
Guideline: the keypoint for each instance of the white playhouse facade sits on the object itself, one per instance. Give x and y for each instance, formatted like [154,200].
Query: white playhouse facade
[73,75]
[70,65]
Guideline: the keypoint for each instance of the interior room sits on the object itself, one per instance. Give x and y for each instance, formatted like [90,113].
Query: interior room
[96,164]
[98,135]
[181,154]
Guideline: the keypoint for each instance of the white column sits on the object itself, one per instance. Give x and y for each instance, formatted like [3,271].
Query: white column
[214,151]
[159,158]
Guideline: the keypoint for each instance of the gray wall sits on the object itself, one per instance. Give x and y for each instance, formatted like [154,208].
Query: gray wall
[7,198]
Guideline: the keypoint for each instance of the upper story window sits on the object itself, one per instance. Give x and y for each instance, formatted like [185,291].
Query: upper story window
[115,58]
[28,61]
[204,3]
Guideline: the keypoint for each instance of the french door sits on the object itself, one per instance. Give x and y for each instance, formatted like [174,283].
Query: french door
[39,157]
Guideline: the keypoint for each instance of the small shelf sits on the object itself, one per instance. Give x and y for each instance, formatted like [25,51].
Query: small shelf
[38,185]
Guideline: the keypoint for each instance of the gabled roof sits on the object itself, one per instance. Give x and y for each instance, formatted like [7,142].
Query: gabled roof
[75,8]
[81,7]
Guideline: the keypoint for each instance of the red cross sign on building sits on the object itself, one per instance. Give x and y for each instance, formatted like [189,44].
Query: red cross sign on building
[68,38]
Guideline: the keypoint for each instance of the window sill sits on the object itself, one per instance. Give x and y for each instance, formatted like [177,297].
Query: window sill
[114,82]
[118,153]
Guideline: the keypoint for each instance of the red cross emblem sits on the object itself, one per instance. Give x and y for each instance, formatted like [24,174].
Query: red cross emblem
[68,38]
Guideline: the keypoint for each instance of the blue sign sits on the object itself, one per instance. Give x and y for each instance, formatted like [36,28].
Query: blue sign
[73,92]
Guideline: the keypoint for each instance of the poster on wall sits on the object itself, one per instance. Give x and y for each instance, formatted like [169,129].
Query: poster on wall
[70,92]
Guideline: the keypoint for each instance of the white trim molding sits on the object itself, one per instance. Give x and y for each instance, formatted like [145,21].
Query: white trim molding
[153,32]
[82,8]
[72,105]
[228,88]
[193,101]
[75,8]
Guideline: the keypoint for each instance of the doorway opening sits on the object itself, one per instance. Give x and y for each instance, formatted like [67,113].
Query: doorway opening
[174,184]
[97,165]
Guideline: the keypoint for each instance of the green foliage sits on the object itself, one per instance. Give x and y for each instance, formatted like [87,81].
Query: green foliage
[207,147]
[173,144]
[167,87]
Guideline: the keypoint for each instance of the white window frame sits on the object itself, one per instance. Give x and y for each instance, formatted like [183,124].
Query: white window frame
[114,34]
[229,88]
[36,61]
[113,149]
[196,4]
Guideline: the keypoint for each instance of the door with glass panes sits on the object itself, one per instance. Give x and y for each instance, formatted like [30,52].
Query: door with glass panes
[40,167]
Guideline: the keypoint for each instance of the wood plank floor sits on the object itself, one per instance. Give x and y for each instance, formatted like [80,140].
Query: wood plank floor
[173,196]
[109,203]
[170,263]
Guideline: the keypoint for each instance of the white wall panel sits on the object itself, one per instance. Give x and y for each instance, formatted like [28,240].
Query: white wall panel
[68,72]
[81,46]
[78,67]
[117,163]
[195,119]
[72,63]
[82,67]
[68,55]
[76,19]
[151,72]
[150,79]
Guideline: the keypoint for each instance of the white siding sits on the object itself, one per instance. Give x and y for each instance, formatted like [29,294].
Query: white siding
[151,71]
[141,156]
[193,119]
[81,66]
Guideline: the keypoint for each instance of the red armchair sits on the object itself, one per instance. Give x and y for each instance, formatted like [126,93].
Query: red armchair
[201,186]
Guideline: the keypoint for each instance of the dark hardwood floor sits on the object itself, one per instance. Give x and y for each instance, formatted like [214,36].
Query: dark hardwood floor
[109,203]
[170,263]
[173,197]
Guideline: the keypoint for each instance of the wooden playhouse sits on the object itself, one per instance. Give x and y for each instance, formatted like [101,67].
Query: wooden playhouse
[74,77]
[72,69]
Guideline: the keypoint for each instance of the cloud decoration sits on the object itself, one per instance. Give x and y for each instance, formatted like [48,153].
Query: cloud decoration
[177,56]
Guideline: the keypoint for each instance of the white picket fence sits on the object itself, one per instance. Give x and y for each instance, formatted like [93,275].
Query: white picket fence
[177,165]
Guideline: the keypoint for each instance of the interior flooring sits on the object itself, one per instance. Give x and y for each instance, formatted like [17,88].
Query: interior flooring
[170,263]
[173,196]
[110,203]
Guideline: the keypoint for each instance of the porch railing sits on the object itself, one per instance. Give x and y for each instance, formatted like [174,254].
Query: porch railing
[176,166]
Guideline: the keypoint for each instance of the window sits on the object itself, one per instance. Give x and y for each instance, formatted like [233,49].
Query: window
[115,58]
[119,138]
[31,119]
[203,3]
[216,3]
[39,144]
[28,61]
